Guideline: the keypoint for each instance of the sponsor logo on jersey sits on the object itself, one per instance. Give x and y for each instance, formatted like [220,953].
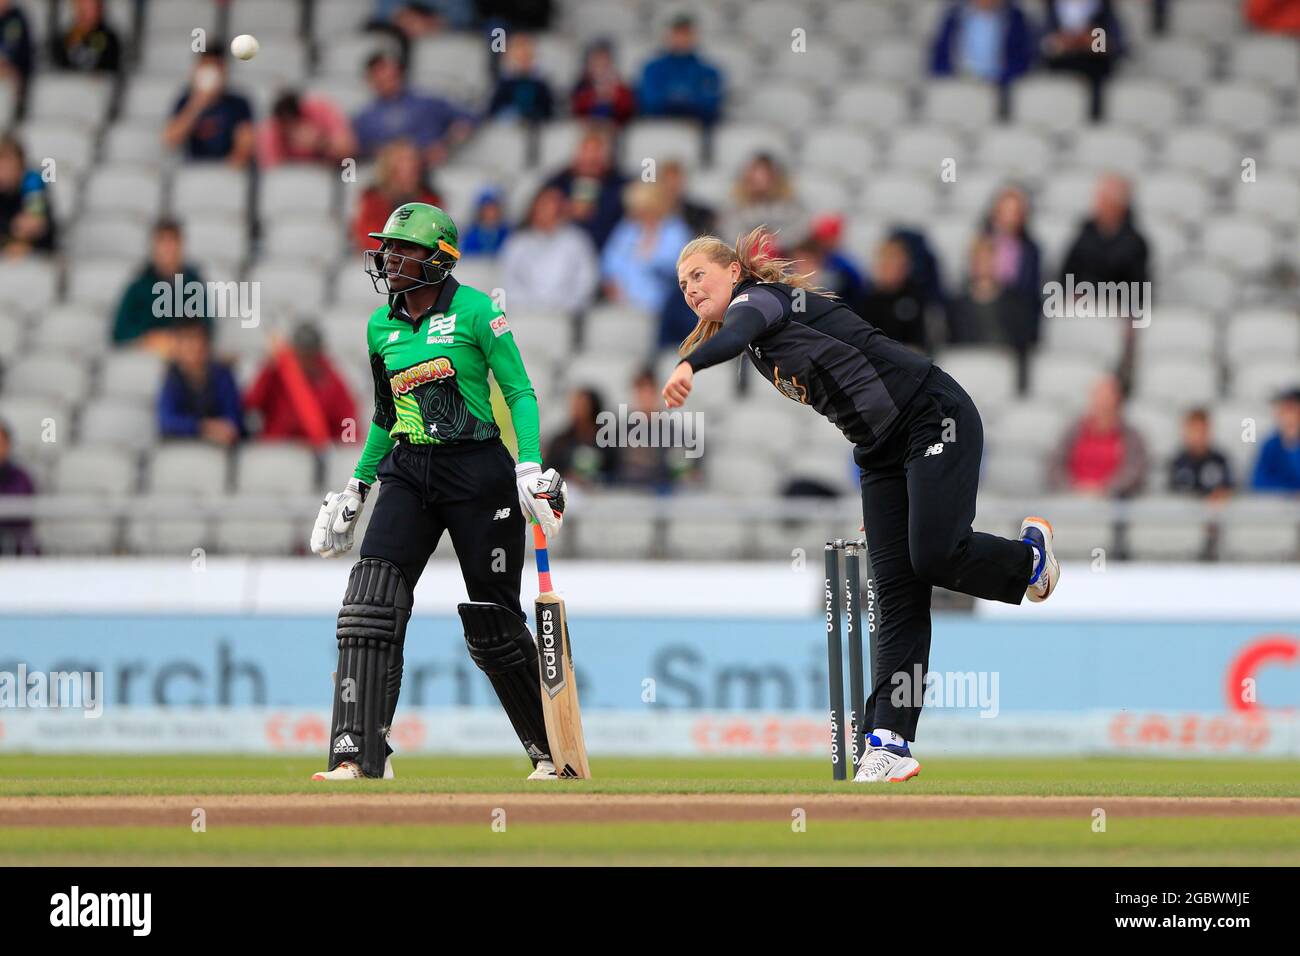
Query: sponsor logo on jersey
[743,297]
[790,387]
[936,449]
[499,326]
[441,329]
[411,378]
[393,335]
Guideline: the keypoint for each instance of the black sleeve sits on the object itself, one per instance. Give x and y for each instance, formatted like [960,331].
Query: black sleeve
[750,315]
[385,410]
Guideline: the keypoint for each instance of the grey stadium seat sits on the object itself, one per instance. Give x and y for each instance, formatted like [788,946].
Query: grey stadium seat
[265,536]
[296,189]
[1065,380]
[707,540]
[187,468]
[1269,60]
[49,374]
[264,18]
[35,418]
[1112,148]
[118,422]
[1168,540]
[1185,61]
[1274,198]
[499,145]
[1205,19]
[454,65]
[1261,379]
[134,143]
[963,104]
[200,188]
[27,283]
[1173,193]
[661,140]
[71,97]
[924,149]
[1052,103]
[988,374]
[1239,107]
[1013,151]
[1262,332]
[785,104]
[1243,244]
[108,235]
[99,282]
[124,188]
[95,469]
[131,374]
[275,468]
[1179,381]
[70,145]
[1209,150]
[78,329]
[735,144]
[845,151]
[878,105]
[1147,104]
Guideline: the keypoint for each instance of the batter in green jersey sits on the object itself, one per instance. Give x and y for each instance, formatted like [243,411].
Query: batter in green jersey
[437,454]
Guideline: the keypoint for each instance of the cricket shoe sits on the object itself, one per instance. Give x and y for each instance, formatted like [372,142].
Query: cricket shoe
[545,770]
[886,763]
[1037,533]
[351,770]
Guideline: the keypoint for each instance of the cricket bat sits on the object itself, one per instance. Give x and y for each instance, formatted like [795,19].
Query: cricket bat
[555,660]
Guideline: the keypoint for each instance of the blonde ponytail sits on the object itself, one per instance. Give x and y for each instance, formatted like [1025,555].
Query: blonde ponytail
[752,251]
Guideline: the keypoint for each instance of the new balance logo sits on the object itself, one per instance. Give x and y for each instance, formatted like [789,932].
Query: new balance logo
[933,450]
[344,745]
[501,513]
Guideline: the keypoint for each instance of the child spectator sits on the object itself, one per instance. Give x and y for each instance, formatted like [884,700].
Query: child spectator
[600,93]
[304,129]
[16,535]
[300,395]
[1199,469]
[488,230]
[199,397]
[400,177]
[433,124]
[549,264]
[521,92]
[1278,465]
[90,45]
[679,82]
[1101,454]
[1017,260]
[209,121]
[593,185]
[639,264]
[576,452]
[25,221]
[146,316]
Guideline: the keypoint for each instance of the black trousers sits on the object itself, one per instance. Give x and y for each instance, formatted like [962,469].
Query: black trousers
[467,490]
[918,502]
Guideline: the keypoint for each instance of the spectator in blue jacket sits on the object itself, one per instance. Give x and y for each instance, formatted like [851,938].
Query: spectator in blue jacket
[397,112]
[488,229]
[199,397]
[1278,465]
[989,40]
[679,82]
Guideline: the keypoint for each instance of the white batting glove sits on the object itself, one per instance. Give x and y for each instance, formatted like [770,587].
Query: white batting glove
[542,496]
[335,528]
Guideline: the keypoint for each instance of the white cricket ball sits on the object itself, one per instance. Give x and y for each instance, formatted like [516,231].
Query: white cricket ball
[245,46]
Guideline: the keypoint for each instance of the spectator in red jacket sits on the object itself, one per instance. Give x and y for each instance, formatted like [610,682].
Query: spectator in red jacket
[600,92]
[1101,454]
[1274,16]
[300,395]
[400,178]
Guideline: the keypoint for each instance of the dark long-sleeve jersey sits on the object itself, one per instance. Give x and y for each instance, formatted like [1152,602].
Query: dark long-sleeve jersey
[818,352]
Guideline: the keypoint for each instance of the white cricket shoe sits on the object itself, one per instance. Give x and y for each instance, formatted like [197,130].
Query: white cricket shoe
[1037,532]
[545,770]
[351,770]
[888,763]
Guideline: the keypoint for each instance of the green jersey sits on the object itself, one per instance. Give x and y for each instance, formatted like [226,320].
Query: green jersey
[431,376]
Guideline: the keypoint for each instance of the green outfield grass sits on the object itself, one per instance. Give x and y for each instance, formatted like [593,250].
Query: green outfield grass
[1173,841]
[1186,841]
[26,775]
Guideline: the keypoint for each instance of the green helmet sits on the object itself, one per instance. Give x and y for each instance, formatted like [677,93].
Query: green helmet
[423,225]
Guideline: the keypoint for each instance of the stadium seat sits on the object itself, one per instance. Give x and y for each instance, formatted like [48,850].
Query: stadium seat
[268,19]
[95,470]
[1205,19]
[556,143]
[1273,198]
[335,18]
[1179,381]
[40,422]
[558,59]
[1283,150]
[1012,150]
[908,197]
[201,188]
[967,105]
[343,56]
[897,61]
[1257,543]
[215,236]
[924,149]
[701,539]
[318,237]
[12,334]
[879,106]
[131,374]
[1243,244]
[1268,60]
[1068,193]
[189,468]
[1051,103]
[454,65]
[661,140]
[614,330]
[112,234]
[1099,339]
[296,189]
[988,374]
[127,424]
[180,16]
[124,188]
[1169,540]
[69,145]
[973,191]
[1111,148]
[785,104]
[500,146]
[841,151]
[1210,151]
[861,24]
[47,374]
[168,536]
[1173,194]
[1201,282]
[1262,332]
[735,144]
[591,19]
[133,143]
[1066,380]
[1239,107]
[70,97]
[283,468]
[78,329]
[1187,62]
[1261,379]
[265,536]
[27,283]
[1238,428]
[290,284]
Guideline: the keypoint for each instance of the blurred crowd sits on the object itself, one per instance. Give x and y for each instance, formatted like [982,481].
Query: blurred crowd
[597,233]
